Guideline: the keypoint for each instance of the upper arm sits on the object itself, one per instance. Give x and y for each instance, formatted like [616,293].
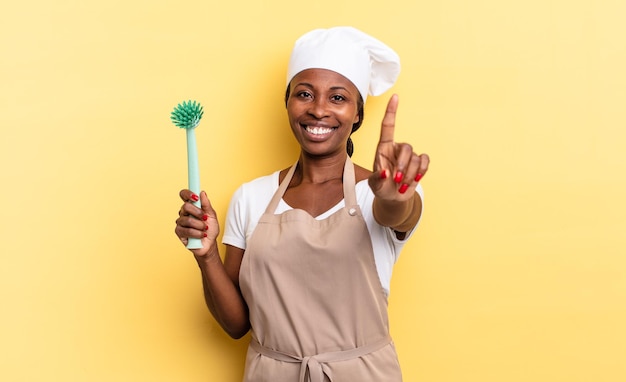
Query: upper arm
[232,262]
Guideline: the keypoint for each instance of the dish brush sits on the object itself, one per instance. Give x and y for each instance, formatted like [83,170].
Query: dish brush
[187,115]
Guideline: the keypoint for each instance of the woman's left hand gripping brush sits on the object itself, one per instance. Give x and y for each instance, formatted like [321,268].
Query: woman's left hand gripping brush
[187,115]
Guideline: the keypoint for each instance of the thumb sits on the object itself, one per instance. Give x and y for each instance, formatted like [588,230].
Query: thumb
[377,179]
[206,204]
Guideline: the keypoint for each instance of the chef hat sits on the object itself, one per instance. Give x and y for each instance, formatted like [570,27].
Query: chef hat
[372,66]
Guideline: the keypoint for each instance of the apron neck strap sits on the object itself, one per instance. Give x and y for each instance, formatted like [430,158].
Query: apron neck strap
[349,180]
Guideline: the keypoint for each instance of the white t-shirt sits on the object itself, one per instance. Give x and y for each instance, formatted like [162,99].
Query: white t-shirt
[251,199]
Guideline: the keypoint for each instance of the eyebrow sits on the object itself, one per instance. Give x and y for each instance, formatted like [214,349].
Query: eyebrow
[313,87]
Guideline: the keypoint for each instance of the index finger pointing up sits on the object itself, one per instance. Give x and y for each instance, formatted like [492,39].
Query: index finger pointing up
[389,120]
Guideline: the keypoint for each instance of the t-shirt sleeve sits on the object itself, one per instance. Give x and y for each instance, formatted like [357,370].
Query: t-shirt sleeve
[386,245]
[235,230]
[246,207]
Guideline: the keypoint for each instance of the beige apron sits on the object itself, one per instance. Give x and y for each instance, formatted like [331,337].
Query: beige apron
[318,311]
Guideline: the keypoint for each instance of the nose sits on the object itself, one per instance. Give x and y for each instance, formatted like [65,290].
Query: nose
[318,108]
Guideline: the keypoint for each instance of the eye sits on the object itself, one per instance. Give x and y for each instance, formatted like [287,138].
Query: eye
[303,94]
[338,98]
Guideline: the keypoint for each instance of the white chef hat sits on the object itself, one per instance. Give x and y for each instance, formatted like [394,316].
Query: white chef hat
[372,66]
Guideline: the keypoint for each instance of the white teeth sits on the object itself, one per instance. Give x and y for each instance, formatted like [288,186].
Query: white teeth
[318,130]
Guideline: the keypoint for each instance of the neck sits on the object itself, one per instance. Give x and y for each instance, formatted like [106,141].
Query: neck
[320,170]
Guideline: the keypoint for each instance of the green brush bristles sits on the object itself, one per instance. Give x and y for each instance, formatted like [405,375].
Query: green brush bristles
[187,114]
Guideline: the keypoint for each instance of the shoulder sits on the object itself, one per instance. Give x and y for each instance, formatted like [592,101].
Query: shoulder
[361,173]
[246,206]
[257,189]
[263,182]
[364,193]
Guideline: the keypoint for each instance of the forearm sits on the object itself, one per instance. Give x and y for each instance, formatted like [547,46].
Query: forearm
[402,216]
[222,295]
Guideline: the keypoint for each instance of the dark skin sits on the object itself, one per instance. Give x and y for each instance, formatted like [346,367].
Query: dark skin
[322,107]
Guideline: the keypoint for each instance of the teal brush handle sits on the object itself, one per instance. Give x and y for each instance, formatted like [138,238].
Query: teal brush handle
[187,116]
[193,178]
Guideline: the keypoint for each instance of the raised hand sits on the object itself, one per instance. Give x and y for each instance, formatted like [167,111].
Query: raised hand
[397,168]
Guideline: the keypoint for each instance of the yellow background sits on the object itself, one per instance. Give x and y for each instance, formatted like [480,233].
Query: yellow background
[517,272]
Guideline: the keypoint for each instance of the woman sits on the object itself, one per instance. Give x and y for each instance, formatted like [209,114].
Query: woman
[309,249]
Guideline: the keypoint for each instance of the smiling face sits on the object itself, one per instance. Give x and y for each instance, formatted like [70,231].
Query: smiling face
[322,107]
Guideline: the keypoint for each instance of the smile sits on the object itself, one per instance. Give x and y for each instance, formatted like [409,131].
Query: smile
[318,130]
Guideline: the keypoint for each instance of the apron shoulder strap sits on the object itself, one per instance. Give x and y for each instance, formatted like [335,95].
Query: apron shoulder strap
[271,208]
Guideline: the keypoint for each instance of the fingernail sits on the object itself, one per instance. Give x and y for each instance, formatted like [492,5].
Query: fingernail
[418,177]
[383,174]
[403,188]
[398,177]
[205,234]
[206,227]
[194,197]
[205,217]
